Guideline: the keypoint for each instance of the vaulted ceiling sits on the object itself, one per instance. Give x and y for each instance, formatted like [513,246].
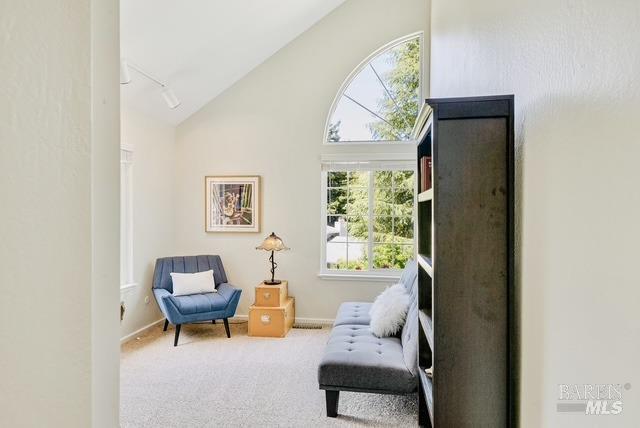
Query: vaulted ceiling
[201,47]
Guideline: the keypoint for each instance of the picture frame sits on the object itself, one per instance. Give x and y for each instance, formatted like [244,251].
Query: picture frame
[232,203]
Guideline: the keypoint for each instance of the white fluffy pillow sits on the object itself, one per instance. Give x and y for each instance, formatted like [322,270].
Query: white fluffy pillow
[193,283]
[389,311]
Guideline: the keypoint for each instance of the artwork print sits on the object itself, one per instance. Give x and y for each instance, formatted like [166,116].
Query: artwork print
[232,204]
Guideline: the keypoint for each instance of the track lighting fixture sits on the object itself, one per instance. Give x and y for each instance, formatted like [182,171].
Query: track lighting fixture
[167,93]
[170,98]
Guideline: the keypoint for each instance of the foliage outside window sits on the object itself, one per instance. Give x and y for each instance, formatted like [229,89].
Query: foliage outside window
[369,220]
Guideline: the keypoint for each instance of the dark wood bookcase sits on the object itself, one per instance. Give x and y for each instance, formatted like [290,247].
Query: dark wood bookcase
[465,254]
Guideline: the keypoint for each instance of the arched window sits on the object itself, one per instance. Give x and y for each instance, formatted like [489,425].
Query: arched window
[368,197]
[379,102]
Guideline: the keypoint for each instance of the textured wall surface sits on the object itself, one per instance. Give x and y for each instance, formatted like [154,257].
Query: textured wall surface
[105,210]
[573,67]
[52,166]
[271,123]
[153,211]
[45,158]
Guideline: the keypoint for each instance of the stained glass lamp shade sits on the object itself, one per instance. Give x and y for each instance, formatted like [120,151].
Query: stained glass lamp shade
[272,243]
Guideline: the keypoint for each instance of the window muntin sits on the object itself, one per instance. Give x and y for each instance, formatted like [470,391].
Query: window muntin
[368,219]
[380,102]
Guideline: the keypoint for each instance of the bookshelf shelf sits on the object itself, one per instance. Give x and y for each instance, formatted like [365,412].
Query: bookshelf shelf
[427,385]
[426,263]
[426,322]
[425,196]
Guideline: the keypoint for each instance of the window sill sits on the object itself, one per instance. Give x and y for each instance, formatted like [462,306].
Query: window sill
[359,277]
[128,287]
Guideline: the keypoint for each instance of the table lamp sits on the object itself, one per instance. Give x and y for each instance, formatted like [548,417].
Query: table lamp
[272,243]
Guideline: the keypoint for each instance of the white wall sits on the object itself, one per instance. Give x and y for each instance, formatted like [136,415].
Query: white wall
[153,143]
[573,66]
[271,124]
[105,209]
[54,179]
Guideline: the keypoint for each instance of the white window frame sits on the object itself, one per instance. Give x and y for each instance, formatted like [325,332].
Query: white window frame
[126,218]
[396,161]
[325,140]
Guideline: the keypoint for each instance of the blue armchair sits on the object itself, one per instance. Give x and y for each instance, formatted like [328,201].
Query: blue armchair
[180,310]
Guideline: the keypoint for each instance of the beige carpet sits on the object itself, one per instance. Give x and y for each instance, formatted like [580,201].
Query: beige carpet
[212,381]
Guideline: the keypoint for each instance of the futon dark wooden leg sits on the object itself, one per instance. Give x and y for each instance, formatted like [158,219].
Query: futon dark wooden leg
[166,324]
[332,403]
[226,327]
[213,321]
[175,341]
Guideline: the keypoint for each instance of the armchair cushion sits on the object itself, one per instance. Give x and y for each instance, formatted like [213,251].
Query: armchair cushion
[198,307]
[196,303]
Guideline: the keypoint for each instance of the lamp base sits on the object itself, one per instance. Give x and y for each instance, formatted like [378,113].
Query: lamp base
[274,282]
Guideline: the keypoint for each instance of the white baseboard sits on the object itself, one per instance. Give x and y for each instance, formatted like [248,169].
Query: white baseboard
[128,337]
[322,321]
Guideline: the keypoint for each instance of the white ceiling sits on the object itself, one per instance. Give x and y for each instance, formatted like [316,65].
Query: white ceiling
[201,47]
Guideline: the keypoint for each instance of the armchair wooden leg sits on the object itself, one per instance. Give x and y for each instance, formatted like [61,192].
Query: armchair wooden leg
[226,326]
[332,403]
[166,324]
[175,341]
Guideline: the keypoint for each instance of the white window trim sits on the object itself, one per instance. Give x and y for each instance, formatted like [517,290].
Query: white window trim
[382,275]
[419,35]
[128,283]
[128,287]
[360,276]
[367,156]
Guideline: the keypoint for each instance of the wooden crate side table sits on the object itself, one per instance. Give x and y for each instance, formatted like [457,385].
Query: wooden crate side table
[272,295]
[268,321]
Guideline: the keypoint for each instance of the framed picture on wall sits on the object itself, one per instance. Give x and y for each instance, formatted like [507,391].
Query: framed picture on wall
[232,203]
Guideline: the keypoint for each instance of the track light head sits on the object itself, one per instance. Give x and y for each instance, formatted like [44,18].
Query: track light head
[167,93]
[170,97]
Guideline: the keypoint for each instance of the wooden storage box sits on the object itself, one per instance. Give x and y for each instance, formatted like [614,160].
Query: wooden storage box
[272,295]
[271,321]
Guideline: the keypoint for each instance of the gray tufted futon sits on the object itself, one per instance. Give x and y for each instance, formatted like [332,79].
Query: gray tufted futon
[356,360]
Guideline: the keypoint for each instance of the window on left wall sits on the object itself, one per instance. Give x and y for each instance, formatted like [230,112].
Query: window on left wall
[126,217]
